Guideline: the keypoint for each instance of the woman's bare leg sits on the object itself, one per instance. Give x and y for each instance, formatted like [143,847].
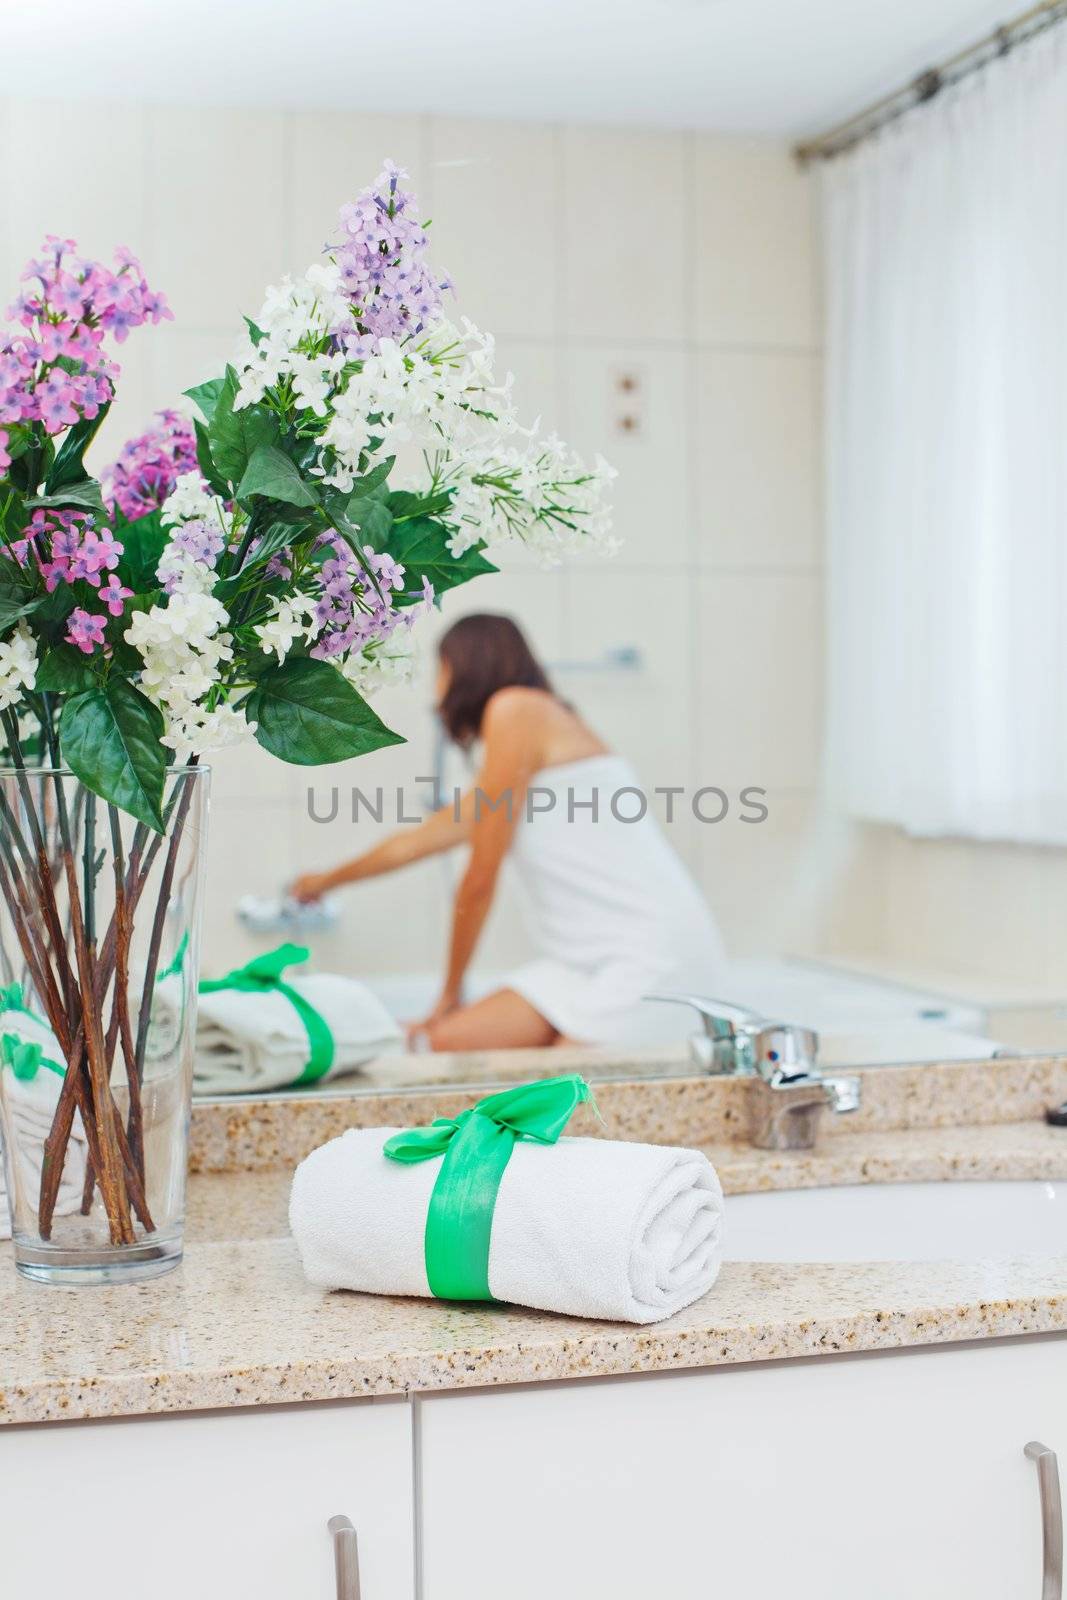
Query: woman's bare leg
[502,1021]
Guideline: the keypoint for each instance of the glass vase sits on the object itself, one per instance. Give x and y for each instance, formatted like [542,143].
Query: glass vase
[99,958]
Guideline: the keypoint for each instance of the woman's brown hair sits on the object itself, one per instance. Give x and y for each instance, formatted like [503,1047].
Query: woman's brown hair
[483,653]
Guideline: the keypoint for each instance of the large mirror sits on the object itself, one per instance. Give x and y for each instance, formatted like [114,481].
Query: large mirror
[815,694]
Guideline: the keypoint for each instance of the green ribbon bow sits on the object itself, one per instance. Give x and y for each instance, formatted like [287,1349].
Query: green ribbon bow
[263,974]
[23,1056]
[476,1147]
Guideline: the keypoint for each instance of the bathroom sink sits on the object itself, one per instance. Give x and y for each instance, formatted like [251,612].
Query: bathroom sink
[898,1222]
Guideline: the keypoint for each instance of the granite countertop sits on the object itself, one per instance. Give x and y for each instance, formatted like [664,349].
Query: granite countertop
[237,1324]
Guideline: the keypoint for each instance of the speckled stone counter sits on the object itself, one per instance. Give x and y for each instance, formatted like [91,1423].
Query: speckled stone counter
[237,1324]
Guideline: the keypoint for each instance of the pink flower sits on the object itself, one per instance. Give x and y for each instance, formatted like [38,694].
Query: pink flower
[5,459]
[114,595]
[150,465]
[85,630]
[54,401]
[99,552]
[56,371]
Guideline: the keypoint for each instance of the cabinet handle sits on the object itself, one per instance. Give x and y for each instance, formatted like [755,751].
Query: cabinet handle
[1048,1477]
[345,1557]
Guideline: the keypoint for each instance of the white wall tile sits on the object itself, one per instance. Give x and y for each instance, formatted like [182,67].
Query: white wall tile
[536,600]
[590,253]
[215,202]
[760,878]
[645,714]
[330,156]
[76,170]
[624,234]
[496,208]
[754,245]
[540,393]
[759,652]
[181,357]
[631,404]
[758,449]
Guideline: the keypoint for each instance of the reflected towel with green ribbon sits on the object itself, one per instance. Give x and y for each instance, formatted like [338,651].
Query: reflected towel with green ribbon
[494,1204]
[32,1065]
[264,1026]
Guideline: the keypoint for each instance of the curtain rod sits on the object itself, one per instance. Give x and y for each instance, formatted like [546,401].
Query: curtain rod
[931,82]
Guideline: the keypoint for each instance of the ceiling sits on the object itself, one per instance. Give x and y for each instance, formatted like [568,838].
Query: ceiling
[755,66]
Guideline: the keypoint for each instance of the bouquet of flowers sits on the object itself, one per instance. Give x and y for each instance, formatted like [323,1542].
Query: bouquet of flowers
[282,575]
[255,572]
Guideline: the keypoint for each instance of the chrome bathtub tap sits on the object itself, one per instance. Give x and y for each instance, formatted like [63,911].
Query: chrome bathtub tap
[789,1093]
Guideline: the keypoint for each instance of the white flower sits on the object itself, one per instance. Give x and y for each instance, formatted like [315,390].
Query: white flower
[292,321]
[198,731]
[18,665]
[385,663]
[537,492]
[436,391]
[183,649]
[293,619]
[190,500]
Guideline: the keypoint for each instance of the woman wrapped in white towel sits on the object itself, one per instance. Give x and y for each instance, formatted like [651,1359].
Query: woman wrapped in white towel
[612,912]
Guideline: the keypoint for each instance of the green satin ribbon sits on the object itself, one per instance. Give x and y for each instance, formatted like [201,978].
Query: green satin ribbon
[262,975]
[23,1056]
[476,1147]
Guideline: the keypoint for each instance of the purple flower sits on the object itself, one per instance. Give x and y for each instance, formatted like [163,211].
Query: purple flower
[55,371]
[150,465]
[55,401]
[85,630]
[201,540]
[114,596]
[381,257]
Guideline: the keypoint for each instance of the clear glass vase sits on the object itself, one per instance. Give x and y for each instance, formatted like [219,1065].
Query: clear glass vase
[99,957]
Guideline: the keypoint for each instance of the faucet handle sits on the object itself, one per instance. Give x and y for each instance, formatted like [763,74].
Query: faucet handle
[721,1019]
[783,1051]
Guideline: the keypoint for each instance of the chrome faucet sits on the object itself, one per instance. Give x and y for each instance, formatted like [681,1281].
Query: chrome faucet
[790,1093]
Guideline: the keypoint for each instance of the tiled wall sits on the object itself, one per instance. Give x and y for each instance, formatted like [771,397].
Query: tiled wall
[683,262]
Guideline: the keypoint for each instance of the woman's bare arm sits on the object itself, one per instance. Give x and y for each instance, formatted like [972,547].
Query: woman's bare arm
[513,735]
[444,830]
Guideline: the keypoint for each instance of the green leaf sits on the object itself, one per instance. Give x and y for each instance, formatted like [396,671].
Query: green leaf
[234,435]
[16,600]
[372,480]
[206,464]
[404,505]
[69,466]
[13,520]
[308,714]
[255,333]
[54,608]
[110,738]
[271,473]
[272,537]
[421,547]
[84,495]
[143,542]
[64,670]
[19,438]
[205,396]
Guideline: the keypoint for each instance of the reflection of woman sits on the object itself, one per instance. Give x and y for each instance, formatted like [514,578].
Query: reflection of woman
[613,912]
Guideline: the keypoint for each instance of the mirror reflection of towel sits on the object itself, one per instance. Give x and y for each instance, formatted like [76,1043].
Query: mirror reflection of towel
[29,1098]
[248,1042]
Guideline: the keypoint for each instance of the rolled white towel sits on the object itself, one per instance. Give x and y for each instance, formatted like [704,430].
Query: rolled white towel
[29,1105]
[588,1227]
[251,1041]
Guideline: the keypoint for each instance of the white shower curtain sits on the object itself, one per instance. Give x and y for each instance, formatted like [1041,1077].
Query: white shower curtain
[946,416]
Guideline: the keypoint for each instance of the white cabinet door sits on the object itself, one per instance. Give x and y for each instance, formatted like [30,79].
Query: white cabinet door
[221,1506]
[882,1476]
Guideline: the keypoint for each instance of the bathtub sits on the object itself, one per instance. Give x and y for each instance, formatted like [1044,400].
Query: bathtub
[858,1018]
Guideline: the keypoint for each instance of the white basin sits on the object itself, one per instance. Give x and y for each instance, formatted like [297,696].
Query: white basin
[898,1222]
